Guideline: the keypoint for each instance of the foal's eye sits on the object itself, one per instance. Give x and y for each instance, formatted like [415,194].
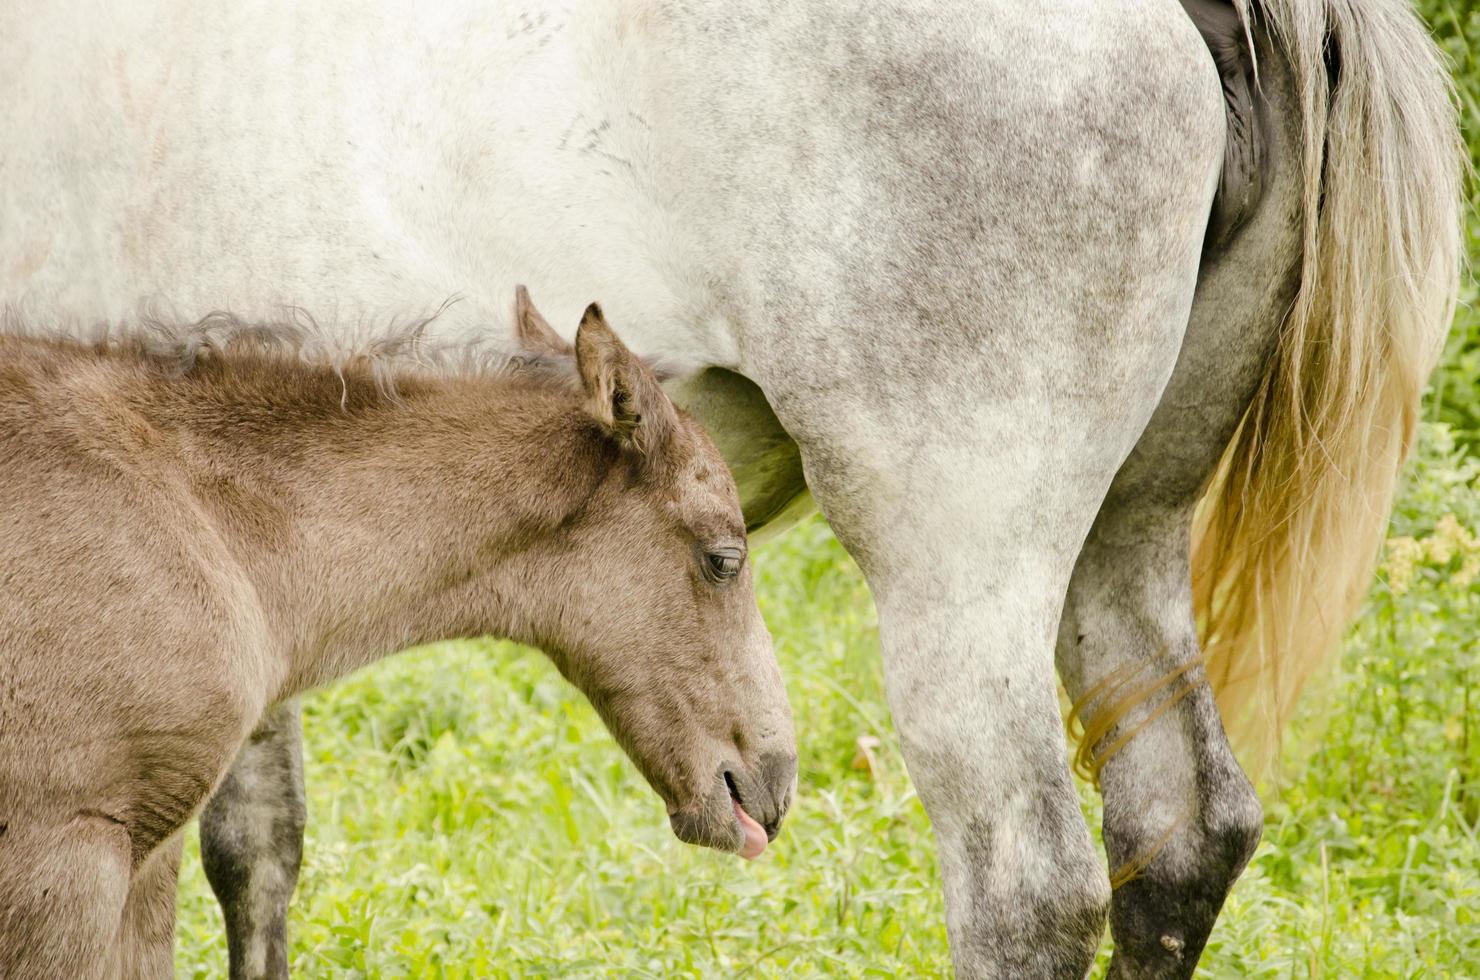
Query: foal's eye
[722,564]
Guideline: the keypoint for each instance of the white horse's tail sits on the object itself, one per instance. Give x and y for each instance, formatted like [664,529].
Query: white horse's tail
[1289,530]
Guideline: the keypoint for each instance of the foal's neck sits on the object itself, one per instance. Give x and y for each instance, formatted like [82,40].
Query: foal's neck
[370,522]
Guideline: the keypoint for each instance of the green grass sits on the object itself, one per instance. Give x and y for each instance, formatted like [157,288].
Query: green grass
[469,816]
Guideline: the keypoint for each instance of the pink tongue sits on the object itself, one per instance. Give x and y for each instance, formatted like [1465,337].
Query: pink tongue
[755,835]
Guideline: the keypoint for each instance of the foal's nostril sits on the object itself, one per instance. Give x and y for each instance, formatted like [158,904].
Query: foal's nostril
[767,789]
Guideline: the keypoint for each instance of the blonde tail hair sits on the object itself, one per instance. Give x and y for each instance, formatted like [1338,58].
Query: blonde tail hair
[1287,534]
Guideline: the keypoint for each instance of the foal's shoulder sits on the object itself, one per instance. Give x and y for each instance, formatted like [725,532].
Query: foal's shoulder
[61,399]
[32,369]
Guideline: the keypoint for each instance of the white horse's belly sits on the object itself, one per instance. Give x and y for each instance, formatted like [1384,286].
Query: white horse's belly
[720,177]
[360,162]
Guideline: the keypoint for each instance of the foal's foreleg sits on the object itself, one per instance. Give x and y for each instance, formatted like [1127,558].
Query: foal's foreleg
[62,893]
[1180,817]
[147,943]
[251,843]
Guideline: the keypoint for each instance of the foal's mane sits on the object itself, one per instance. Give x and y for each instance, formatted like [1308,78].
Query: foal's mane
[394,350]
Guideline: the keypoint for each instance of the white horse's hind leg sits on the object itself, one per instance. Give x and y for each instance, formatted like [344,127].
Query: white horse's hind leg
[1180,817]
[1178,810]
[963,394]
[963,615]
[968,538]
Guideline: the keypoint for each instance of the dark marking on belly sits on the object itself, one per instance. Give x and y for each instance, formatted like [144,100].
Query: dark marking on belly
[766,463]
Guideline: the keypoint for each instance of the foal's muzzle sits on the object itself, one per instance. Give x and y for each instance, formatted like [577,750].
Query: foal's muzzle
[743,803]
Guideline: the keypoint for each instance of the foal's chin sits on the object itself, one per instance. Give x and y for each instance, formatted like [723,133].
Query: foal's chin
[718,821]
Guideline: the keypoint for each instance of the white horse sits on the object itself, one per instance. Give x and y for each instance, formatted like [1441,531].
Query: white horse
[1011,284]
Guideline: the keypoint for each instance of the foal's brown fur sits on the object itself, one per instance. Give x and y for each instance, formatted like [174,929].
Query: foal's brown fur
[183,545]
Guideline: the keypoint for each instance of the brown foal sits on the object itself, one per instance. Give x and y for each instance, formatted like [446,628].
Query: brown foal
[186,540]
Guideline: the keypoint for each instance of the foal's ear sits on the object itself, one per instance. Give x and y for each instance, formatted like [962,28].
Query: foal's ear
[535,333]
[621,391]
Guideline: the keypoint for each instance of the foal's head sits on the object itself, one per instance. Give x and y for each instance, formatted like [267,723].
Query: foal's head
[662,632]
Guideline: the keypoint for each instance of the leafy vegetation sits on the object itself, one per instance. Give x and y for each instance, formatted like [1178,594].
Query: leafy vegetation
[470,817]
[1455,395]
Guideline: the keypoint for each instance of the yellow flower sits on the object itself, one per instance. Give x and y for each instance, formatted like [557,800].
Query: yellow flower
[1453,730]
[1449,537]
[1439,547]
[1403,556]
